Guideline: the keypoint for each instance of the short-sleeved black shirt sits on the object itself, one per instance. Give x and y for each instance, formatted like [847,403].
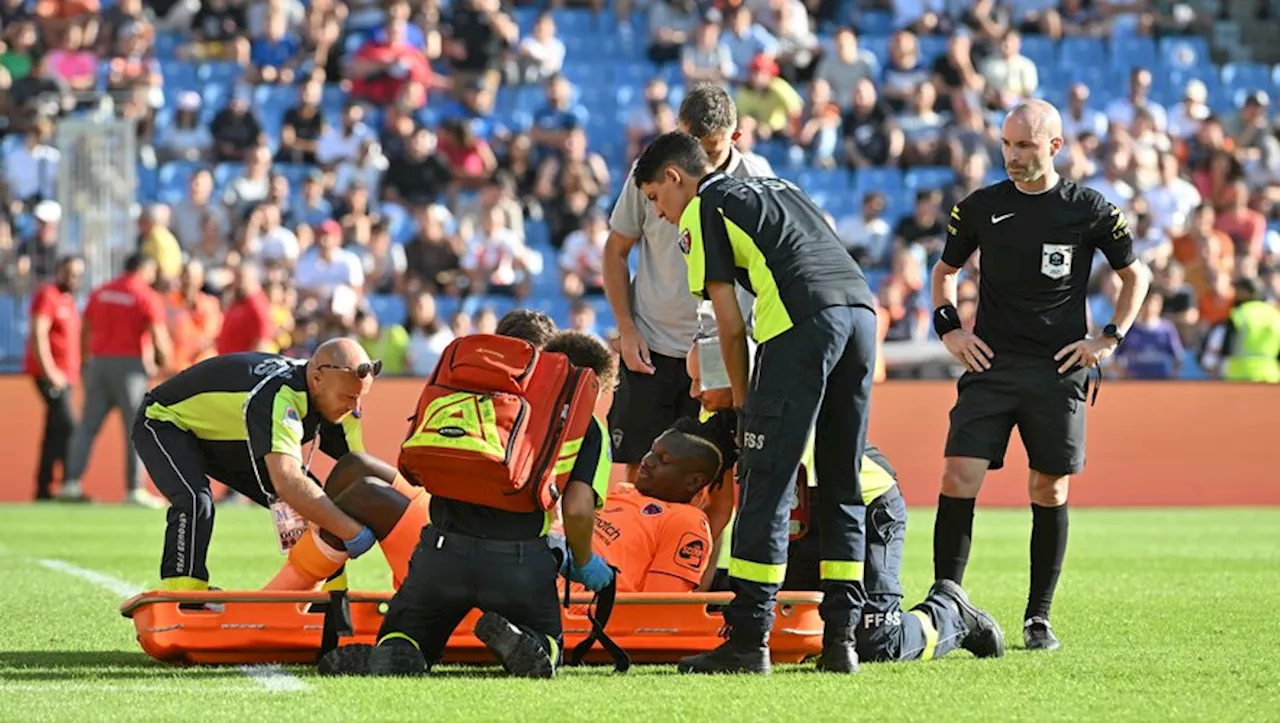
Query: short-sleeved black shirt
[1037,251]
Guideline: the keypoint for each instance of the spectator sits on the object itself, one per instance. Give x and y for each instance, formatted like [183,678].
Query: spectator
[1186,116]
[582,318]
[746,40]
[496,262]
[313,208]
[388,343]
[1010,77]
[553,122]
[569,185]
[383,71]
[428,338]
[541,54]
[498,192]
[1152,348]
[871,137]
[418,178]
[1172,201]
[953,71]
[478,36]
[925,231]
[53,362]
[212,251]
[219,32]
[384,262]
[327,267]
[247,324]
[582,257]
[31,169]
[72,63]
[769,99]
[432,257]
[1217,178]
[905,71]
[905,322]
[189,213]
[38,255]
[866,234]
[342,142]
[706,60]
[1121,110]
[470,158]
[365,169]
[922,130]
[156,241]
[485,321]
[849,64]
[1112,184]
[819,127]
[1256,143]
[194,318]
[303,126]
[1246,227]
[671,26]
[1079,118]
[185,138]
[268,239]
[236,131]
[273,55]
[971,176]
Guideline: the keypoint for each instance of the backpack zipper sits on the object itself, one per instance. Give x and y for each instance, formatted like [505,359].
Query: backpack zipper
[552,445]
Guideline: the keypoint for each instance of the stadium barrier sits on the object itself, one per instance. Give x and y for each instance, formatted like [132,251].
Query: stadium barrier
[1151,444]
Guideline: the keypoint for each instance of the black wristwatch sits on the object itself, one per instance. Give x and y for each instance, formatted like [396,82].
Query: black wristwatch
[1111,331]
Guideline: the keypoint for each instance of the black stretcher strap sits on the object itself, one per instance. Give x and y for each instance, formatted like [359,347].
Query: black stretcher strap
[598,613]
[337,622]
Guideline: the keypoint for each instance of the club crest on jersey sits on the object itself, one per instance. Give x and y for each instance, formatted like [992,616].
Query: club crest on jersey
[651,509]
[291,418]
[686,241]
[1055,260]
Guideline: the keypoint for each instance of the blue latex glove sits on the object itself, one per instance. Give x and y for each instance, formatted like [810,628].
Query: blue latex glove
[361,543]
[595,575]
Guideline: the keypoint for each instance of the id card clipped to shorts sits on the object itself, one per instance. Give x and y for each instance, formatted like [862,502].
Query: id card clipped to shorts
[711,369]
[290,526]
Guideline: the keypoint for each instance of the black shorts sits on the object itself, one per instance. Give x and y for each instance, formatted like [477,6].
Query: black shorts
[646,404]
[1048,409]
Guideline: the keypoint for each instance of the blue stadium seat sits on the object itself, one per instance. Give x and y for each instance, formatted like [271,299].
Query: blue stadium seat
[1133,51]
[166,45]
[885,180]
[389,308]
[933,46]
[1081,50]
[1040,50]
[877,45]
[1246,77]
[1189,51]
[224,172]
[447,306]
[174,178]
[928,178]
[874,22]
[148,183]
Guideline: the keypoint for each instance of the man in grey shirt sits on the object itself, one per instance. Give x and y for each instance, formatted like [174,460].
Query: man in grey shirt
[658,319]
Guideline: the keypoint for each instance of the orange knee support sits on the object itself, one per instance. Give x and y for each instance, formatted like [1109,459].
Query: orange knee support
[311,562]
[398,546]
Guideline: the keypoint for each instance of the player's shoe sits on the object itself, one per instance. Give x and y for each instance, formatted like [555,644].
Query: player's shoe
[380,660]
[519,652]
[839,651]
[739,654]
[983,635]
[1037,634]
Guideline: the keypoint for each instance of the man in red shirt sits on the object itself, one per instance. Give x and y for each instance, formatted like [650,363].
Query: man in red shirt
[126,340]
[247,324]
[53,361]
[382,71]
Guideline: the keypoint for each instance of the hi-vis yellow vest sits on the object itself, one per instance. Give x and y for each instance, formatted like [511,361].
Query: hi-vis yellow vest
[1253,355]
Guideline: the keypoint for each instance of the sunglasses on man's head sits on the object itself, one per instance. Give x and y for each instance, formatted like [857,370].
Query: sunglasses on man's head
[373,368]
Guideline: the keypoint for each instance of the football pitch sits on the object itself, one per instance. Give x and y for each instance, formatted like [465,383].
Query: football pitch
[1163,615]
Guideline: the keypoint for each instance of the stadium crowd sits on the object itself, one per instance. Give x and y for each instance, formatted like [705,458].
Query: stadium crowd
[406,171]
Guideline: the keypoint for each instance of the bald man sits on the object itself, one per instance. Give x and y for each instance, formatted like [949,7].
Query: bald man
[1028,357]
[253,421]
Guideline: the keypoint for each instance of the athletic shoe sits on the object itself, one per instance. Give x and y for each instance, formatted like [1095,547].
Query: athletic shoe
[983,636]
[738,654]
[839,651]
[1037,634]
[381,660]
[346,660]
[519,652]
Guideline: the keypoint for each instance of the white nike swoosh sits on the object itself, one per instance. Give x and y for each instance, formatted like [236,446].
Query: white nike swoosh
[998,219]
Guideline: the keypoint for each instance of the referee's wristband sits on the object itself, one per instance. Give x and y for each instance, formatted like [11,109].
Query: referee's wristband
[945,320]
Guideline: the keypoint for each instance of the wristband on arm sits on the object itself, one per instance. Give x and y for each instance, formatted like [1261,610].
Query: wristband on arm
[946,319]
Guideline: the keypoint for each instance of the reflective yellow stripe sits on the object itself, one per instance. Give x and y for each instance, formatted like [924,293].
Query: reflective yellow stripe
[471,414]
[930,634]
[564,465]
[955,212]
[571,447]
[555,650]
[176,584]
[771,315]
[604,465]
[398,636]
[840,570]
[760,572]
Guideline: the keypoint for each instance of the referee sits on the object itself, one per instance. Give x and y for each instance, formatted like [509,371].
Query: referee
[657,320]
[815,326]
[1028,358]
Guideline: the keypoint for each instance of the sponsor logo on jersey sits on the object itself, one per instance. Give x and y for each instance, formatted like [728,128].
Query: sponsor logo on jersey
[691,552]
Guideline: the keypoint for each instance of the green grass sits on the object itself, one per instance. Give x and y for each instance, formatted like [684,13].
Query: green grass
[1163,614]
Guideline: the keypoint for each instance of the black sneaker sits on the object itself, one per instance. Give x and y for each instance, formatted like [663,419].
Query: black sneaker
[737,655]
[839,651]
[346,660]
[983,636]
[380,660]
[1037,634]
[520,654]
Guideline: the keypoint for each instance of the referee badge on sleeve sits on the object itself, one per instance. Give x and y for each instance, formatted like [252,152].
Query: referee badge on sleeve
[1055,260]
[686,241]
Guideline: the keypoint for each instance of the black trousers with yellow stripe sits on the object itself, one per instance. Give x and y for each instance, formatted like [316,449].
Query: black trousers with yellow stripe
[815,376]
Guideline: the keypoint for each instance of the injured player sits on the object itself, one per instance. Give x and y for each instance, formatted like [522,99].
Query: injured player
[374,493]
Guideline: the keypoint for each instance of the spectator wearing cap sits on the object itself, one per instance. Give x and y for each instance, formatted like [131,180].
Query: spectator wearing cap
[184,138]
[770,100]
[328,266]
[302,126]
[706,60]
[53,362]
[1186,116]
[582,257]
[236,130]
[156,241]
[247,324]
[382,69]
[38,255]
[273,55]
[124,325]
[31,169]
[846,66]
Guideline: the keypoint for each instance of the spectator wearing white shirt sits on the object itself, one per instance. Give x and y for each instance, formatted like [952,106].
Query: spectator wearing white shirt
[1186,116]
[1121,110]
[1111,183]
[328,266]
[342,142]
[1079,118]
[253,185]
[582,257]
[268,239]
[186,138]
[31,169]
[1171,201]
[1011,76]
[496,262]
[541,55]
[428,337]
[867,234]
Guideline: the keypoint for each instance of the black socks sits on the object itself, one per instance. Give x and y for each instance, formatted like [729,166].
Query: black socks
[952,532]
[1048,548]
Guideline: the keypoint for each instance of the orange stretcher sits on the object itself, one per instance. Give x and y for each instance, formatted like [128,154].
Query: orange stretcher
[262,626]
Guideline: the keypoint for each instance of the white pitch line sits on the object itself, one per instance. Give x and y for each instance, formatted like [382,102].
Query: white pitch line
[272,678]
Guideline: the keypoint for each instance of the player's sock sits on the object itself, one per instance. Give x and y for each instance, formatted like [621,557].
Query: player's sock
[952,532]
[399,544]
[1048,548]
[311,561]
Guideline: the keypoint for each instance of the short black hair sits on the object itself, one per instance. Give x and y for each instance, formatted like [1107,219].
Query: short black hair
[675,148]
[585,350]
[532,326]
[137,261]
[67,260]
[720,431]
[707,110]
